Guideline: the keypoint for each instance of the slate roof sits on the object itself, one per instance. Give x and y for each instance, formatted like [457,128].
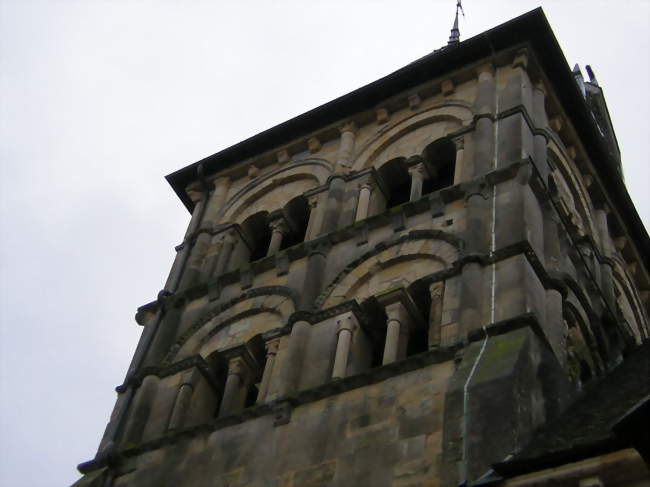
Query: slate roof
[585,428]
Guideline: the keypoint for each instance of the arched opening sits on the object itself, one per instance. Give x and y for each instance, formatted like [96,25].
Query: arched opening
[256,227]
[397,180]
[409,307]
[219,368]
[255,347]
[421,296]
[296,212]
[440,158]
[377,331]
[581,353]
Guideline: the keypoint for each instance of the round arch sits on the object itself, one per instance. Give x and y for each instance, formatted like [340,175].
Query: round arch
[630,303]
[453,114]
[381,269]
[235,321]
[295,178]
[577,191]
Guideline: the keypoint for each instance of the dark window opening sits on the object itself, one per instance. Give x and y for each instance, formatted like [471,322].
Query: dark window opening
[440,158]
[397,180]
[419,339]
[296,212]
[251,396]
[256,227]
[256,351]
[219,369]
[585,372]
[377,331]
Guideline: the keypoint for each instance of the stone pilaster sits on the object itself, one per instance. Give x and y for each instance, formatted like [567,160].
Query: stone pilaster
[346,148]
[183,251]
[335,196]
[217,199]
[294,358]
[483,135]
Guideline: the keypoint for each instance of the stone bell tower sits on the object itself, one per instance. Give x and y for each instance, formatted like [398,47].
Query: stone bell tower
[401,287]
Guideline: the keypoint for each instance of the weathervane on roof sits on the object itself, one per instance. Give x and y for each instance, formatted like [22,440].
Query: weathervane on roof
[454,38]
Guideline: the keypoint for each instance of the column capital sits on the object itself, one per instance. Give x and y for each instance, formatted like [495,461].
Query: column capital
[436,289]
[194,192]
[417,169]
[272,346]
[346,321]
[237,366]
[521,59]
[399,306]
[312,200]
[279,225]
[349,126]
[369,185]
[485,69]
[460,143]
[314,144]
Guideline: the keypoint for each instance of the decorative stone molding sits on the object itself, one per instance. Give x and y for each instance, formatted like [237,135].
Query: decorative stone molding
[314,145]
[221,308]
[349,126]
[282,156]
[447,87]
[382,115]
[487,68]
[556,123]
[414,101]
[521,59]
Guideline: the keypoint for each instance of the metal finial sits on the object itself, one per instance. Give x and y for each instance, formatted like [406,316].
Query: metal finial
[454,38]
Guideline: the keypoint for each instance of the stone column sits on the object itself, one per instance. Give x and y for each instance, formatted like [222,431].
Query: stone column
[279,230]
[314,277]
[140,410]
[417,174]
[346,147]
[315,217]
[397,331]
[606,271]
[227,245]
[539,139]
[294,358]
[346,326]
[198,254]
[232,392]
[460,158]
[183,251]
[552,248]
[212,256]
[483,136]
[217,199]
[363,205]
[183,397]
[335,195]
[271,352]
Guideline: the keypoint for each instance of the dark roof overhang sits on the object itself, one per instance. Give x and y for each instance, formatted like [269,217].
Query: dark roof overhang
[531,28]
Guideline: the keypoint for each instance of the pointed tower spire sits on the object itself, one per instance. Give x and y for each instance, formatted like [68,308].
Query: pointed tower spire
[454,37]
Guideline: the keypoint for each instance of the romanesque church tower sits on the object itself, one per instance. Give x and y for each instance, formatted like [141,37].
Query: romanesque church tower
[436,279]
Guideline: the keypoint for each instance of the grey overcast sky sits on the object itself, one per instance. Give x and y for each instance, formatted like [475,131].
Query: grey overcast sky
[100,99]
